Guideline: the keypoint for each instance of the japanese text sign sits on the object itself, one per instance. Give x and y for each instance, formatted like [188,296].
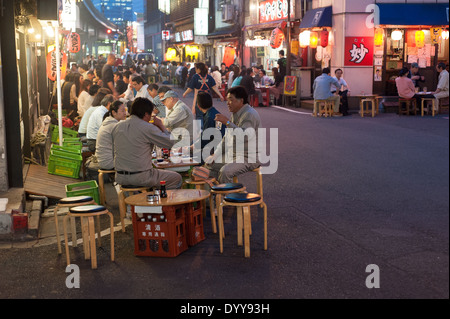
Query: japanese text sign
[358,51]
[73,42]
[273,10]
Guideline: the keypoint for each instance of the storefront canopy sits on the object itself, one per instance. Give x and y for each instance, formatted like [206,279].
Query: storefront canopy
[413,14]
[320,17]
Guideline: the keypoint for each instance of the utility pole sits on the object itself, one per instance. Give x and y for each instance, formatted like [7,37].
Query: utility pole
[288,40]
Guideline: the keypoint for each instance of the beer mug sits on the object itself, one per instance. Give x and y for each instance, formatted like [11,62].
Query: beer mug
[425,89]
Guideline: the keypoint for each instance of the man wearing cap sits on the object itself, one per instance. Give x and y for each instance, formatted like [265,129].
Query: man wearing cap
[178,115]
[414,74]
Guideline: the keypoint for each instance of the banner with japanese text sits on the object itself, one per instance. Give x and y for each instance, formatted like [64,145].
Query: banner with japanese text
[273,10]
[358,51]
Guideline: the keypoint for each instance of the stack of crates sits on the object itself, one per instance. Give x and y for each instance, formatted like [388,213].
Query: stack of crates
[160,235]
[65,161]
[88,188]
[194,224]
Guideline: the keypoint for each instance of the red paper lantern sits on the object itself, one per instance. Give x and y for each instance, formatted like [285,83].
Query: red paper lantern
[229,56]
[276,38]
[324,38]
[51,65]
[74,42]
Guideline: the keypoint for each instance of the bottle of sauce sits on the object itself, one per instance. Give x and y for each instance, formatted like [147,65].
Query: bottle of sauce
[162,191]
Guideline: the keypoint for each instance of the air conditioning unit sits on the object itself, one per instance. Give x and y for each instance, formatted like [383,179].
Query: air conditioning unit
[227,12]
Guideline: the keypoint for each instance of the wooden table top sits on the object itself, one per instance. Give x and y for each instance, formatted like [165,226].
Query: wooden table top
[366,96]
[166,164]
[174,197]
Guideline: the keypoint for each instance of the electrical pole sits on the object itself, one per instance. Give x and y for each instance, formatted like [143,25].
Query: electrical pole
[288,40]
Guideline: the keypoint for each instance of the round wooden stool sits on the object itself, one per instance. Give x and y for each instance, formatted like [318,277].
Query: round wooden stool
[121,197]
[101,184]
[200,185]
[422,105]
[323,107]
[259,182]
[243,202]
[87,214]
[70,202]
[409,103]
[220,190]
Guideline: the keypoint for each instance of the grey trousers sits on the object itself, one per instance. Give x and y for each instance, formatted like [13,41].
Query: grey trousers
[224,173]
[151,178]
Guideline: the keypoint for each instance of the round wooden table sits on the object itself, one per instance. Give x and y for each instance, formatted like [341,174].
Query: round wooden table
[167,227]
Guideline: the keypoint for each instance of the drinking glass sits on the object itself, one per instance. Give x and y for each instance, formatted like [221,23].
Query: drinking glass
[417,89]
[425,89]
[218,125]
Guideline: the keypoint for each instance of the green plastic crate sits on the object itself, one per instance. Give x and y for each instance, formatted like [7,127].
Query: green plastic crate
[66,148]
[64,164]
[88,188]
[67,133]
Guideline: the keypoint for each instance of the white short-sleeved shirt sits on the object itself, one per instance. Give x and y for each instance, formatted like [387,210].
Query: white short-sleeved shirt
[341,81]
[95,121]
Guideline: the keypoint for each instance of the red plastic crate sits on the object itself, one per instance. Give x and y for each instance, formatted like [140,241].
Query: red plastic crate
[161,238]
[20,221]
[194,224]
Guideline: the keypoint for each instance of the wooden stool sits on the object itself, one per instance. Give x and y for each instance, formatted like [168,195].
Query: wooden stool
[101,184]
[121,197]
[259,182]
[70,202]
[422,105]
[372,102]
[243,202]
[88,230]
[408,105]
[219,190]
[200,185]
[326,110]
[443,104]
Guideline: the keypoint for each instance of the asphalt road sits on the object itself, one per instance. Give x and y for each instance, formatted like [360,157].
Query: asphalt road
[348,192]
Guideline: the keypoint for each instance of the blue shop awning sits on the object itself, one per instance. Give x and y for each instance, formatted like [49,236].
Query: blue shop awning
[320,17]
[413,14]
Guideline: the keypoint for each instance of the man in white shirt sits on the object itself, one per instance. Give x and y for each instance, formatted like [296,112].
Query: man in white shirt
[179,115]
[343,91]
[139,85]
[442,87]
[95,121]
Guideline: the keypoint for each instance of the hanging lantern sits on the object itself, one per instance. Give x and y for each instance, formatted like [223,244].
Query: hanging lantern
[410,38]
[51,65]
[276,38]
[304,38]
[229,56]
[324,34]
[171,54]
[396,35]
[378,38]
[313,40]
[420,38]
[444,34]
[435,34]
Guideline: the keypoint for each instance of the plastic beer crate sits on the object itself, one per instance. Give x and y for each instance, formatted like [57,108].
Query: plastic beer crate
[88,188]
[194,224]
[67,132]
[161,238]
[70,149]
[64,164]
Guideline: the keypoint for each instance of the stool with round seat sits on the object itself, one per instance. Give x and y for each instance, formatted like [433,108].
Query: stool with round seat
[409,103]
[259,181]
[221,190]
[70,202]
[101,184]
[201,186]
[121,197]
[243,202]
[425,100]
[88,230]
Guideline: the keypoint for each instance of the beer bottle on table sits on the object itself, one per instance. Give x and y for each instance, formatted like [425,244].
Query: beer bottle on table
[163,192]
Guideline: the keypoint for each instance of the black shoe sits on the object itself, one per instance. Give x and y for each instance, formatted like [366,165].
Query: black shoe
[261,105]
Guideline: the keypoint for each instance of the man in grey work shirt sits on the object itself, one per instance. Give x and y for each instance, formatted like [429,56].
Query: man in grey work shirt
[133,145]
[239,159]
[322,90]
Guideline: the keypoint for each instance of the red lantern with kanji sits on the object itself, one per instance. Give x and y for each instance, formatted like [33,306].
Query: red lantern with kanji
[229,56]
[378,38]
[420,38]
[276,38]
[324,38]
[51,65]
[73,42]
[313,40]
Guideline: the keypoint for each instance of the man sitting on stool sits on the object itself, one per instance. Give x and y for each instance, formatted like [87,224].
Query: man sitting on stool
[236,161]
